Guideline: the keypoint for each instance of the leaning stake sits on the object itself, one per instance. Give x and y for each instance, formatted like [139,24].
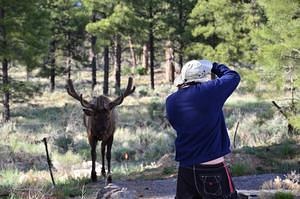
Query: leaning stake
[49,161]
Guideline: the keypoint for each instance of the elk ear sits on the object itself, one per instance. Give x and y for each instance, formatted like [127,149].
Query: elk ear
[88,112]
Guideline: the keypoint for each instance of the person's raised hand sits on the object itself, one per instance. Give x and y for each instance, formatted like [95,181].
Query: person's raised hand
[207,65]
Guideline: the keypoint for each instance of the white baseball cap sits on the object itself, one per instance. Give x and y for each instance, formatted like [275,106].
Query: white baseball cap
[194,71]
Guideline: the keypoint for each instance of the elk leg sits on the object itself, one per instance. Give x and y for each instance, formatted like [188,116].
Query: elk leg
[108,158]
[103,144]
[93,144]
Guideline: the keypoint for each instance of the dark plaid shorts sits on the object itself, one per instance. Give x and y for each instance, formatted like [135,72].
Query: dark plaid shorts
[205,182]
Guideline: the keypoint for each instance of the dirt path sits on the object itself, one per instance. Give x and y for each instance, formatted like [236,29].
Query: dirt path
[165,189]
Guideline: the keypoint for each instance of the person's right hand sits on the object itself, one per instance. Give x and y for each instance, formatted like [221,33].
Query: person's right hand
[207,66]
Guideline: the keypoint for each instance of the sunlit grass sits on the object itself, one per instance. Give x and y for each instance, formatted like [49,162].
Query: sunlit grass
[142,132]
[66,161]
[8,177]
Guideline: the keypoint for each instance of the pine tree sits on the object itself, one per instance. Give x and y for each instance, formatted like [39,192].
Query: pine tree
[99,10]
[150,14]
[23,39]
[278,43]
[221,32]
[67,23]
[115,26]
[177,18]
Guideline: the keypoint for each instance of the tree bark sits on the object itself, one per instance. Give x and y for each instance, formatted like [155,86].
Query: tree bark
[181,42]
[6,93]
[52,65]
[5,81]
[93,52]
[170,68]
[180,55]
[145,58]
[133,57]
[68,61]
[106,70]
[117,64]
[151,46]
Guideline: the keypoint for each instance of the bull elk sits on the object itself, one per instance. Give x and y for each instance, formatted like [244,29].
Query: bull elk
[100,121]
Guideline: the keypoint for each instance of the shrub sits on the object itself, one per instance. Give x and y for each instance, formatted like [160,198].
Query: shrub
[290,182]
[155,109]
[83,148]
[239,169]
[143,91]
[126,70]
[287,150]
[169,170]
[63,142]
[283,195]
[140,70]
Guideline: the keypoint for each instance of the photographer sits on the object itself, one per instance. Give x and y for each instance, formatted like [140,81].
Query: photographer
[195,112]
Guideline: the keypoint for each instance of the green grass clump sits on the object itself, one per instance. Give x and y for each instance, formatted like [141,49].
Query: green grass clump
[239,169]
[283,195]
[63,142]
[71,188]
[140,70]
[169,170]
[8,177]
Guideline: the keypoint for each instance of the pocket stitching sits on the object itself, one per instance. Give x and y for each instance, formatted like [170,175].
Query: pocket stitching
[218,182]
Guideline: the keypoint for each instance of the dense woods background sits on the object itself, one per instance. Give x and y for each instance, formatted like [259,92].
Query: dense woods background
[99,43]
[259,38]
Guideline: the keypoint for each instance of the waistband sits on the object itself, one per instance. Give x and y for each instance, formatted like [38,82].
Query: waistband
[206,166]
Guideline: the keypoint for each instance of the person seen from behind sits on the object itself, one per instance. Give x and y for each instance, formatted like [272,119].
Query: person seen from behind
[195,112]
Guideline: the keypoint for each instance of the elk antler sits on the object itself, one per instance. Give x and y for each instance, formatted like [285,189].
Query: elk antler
[129,90]
[71,91]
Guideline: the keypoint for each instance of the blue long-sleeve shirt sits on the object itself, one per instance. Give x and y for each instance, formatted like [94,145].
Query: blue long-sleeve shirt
[195,112]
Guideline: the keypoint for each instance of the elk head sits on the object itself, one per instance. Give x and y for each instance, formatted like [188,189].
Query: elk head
[99,110]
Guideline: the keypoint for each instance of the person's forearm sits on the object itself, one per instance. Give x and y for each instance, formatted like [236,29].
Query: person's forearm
[221,70]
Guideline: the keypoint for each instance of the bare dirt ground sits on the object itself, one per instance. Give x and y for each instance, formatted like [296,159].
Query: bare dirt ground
[166,188]
[163,189]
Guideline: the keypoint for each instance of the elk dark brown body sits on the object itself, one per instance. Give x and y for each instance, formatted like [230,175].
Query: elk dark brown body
[100,122]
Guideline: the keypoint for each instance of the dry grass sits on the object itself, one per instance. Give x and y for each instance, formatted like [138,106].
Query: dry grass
[142,131]
[290,182]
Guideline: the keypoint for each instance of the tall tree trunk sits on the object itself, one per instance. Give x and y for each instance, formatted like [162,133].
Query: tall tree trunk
[68,60]
[94,59]
[151,46]
[106,70]
[180,55]
[5,86]
[28,73]
[181,42]
[6,93]
[169,66]
[133,57]
[52,65]
[145,57]
[117,51]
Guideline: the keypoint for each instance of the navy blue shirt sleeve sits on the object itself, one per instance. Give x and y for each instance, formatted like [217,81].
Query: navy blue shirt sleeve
[226,82]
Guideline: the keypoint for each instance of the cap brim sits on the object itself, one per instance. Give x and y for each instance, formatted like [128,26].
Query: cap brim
[178,81]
